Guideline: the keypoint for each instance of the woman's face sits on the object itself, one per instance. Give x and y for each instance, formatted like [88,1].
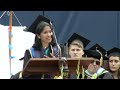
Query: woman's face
[45,35]
[114,63]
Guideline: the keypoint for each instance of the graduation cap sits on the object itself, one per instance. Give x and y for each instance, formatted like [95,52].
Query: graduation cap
[98,47]
[94,54]
[38,20]
[114,50]
[76,36]
[97,52]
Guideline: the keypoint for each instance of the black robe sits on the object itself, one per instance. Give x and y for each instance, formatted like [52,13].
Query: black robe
[104,75]
[26,58]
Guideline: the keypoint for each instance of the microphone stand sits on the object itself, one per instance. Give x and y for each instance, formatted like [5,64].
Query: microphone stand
[62,60]
[59,49]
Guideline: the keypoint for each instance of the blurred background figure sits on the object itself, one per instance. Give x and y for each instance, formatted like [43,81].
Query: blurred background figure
[114,62]
[95,69]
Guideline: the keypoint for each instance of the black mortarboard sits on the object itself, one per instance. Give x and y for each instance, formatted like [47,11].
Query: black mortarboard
[39,19]
[113,50]
[98,52]
[98,47]
[94,54]
[78,37]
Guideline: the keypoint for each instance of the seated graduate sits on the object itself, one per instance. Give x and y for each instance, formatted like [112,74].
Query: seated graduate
[95,69]
[114,62]
[74,48]
[45,45]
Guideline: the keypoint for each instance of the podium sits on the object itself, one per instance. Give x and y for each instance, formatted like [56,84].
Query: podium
[40,66]
[73,62]
[51,65]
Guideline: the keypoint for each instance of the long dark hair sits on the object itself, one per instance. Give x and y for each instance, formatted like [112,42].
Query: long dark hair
[38,44]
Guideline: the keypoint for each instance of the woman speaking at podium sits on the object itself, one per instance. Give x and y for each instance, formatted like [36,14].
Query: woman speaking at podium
[44,46]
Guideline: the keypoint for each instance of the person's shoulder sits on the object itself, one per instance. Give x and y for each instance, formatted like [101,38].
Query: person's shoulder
[29,50]
[16,76]
[107,75]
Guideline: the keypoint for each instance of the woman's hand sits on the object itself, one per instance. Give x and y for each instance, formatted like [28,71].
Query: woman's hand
[52,56]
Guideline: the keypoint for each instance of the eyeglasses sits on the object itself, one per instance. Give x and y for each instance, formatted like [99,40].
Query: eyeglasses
[96,62]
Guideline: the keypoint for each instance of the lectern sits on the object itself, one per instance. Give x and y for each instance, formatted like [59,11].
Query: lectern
[41,65]
[52,65]
[84,62]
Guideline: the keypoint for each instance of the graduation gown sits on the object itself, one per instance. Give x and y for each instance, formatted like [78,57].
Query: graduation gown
[100,74]
[33,53]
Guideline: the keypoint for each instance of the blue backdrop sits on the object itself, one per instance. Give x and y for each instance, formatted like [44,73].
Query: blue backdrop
[100,27]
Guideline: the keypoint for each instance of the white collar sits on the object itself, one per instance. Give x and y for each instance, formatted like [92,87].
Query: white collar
[99,71]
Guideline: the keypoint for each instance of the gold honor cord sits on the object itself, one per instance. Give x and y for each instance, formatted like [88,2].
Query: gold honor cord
[101,58]
[42,76]
[94,76]
[20,75]
[78,69]
[83,73]
[61,73]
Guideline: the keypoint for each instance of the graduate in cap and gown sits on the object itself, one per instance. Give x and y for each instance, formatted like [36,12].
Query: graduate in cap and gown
[95,69]
[114,62]
[44,46]
[75,48]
